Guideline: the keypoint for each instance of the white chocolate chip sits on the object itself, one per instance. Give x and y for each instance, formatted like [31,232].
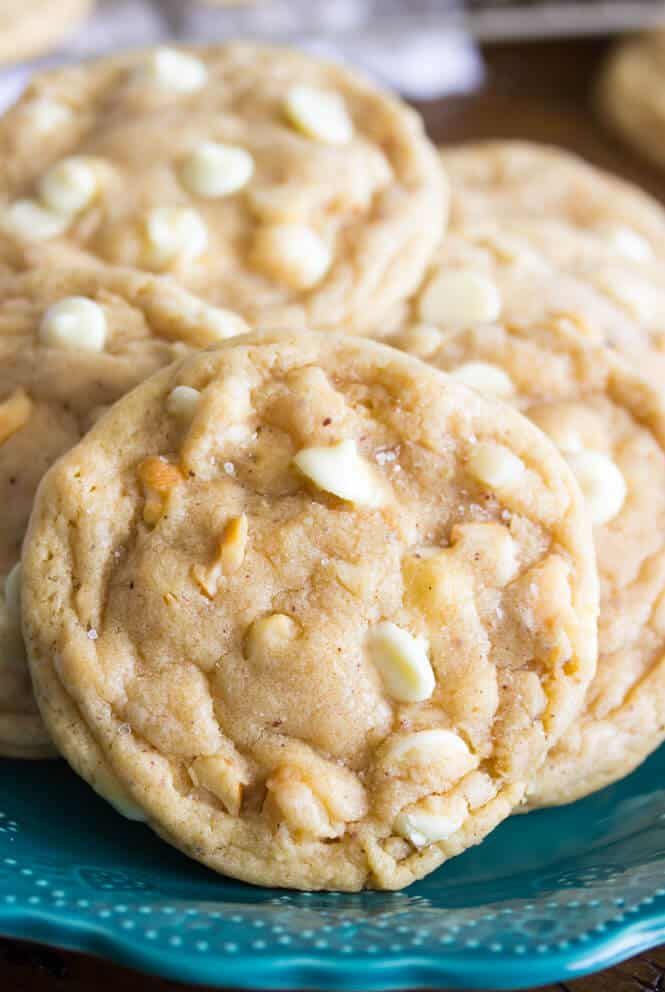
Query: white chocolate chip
[13,590]
[30,221]
[601,482]
[75,322]
[495,466]
[182,402]
[319,114]
[626,242]
[47,115]
[559,428]
[231,550]
[428,823]
[177,71]
[339,469]
[437,748]
[459,298]
[422,340]
[69,186]
[214,170]
[221,324]
[292,253]
[485,378]
[175,235]
[402,662]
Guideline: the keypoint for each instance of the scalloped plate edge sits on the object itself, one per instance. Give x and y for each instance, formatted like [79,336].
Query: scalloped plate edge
[332,972]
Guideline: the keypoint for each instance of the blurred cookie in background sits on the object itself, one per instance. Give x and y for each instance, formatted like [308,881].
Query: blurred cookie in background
[525,182]
[287,187]
[631,94]
[525,212]
[33,27]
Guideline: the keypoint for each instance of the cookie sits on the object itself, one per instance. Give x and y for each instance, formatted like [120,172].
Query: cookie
[485,273]
[32,27]
[609,422]
[604,231]
[630,93]
[71,342]
[286,188]
[332,608]
[522,212]
[515,181]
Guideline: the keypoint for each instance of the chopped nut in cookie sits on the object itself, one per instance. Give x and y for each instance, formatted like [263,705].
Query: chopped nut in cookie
[158,478]
[230,556]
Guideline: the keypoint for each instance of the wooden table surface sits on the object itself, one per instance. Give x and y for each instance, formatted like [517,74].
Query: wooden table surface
[538,91]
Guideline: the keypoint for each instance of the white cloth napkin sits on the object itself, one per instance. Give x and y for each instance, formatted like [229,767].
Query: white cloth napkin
[395,41]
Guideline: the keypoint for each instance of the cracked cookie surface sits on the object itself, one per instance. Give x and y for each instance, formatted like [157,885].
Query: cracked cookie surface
[319,608]
[285,187]
[70,344]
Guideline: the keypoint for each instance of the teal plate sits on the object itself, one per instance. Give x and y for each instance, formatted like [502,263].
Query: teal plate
[547,897]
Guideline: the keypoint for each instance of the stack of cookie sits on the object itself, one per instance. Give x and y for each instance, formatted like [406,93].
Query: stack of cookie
[322,609]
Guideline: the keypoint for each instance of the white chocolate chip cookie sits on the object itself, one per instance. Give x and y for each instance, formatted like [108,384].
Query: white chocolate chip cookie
[528,246]
[609,423]
[282,186]
[316,643]
[482,275]
[31,27]
[593,226]
[515,181]
[631,93]
[70,344]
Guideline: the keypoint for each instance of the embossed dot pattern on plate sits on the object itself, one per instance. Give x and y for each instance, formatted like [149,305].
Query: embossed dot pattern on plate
[550,895]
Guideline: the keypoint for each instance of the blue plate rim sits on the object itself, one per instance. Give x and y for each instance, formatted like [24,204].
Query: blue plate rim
[329,971]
